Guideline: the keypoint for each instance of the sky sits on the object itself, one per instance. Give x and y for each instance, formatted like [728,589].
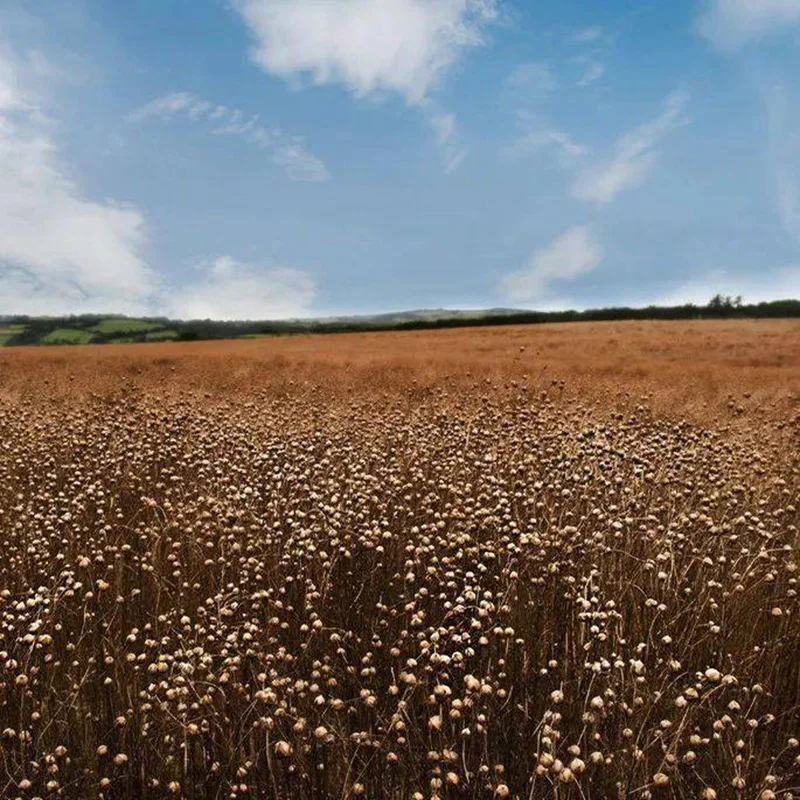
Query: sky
[264,159]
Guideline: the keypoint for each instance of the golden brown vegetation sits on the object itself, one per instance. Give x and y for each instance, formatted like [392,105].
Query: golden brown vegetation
[528,562]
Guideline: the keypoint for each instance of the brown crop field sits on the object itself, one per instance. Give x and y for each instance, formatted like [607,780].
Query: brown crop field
[554,561]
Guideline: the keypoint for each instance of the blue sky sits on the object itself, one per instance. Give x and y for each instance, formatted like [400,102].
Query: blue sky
[282,158]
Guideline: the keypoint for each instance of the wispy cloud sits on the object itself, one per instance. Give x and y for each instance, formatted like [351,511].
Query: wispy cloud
[227,288]
[594,71]
[60,251]
[537,134]
[576,252]
[287,152]
[731,24]
[596,43]
[589,34]
[529,86]
[634,156]
[532,80]
[445,126]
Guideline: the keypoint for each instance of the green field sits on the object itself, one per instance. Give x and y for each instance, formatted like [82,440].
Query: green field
[118,330]
[8,332]
[109,327]
[67,336]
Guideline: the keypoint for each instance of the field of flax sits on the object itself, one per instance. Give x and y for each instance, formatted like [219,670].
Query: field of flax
[442,565]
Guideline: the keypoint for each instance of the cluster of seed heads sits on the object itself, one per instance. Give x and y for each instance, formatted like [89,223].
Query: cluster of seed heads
[412,595]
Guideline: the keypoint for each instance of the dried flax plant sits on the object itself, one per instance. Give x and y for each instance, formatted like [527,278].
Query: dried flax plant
[399,591]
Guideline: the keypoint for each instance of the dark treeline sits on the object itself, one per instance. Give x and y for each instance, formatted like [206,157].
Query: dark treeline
[772,310]
[720,307]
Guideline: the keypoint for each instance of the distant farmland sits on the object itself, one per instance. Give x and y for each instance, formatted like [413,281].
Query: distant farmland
[92,329]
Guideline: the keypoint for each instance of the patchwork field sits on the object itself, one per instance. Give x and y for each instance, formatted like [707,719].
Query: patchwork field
[555,561]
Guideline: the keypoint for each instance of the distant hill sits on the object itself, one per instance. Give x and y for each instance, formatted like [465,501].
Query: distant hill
[119,329]
[434,315]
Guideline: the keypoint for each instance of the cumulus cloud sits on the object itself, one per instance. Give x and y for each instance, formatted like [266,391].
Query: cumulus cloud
[634,156]
[230,289]
[60,252]
[402,46]
[777,284]
[574,253]
[732,24]
[287,152]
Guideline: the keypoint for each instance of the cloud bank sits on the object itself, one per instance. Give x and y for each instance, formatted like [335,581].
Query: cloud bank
[230,289]
[778,284]
[60,252]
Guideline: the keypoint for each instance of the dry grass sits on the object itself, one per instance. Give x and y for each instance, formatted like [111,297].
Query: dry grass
[527,562]
[688,368]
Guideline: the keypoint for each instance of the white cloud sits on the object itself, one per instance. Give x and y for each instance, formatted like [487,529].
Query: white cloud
[574,253]
[164,107]
[445,128]
[588,35]
[779,284]
[598,45]
[634,156]
[63,253]
[229,289]
[593,73]
[533,78]
[402,46]
[538,135]
[732,24]
[287,152]
[60,252]
[531,83]
[10,92]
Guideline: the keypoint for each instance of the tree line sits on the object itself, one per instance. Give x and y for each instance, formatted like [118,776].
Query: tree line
[719,307]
